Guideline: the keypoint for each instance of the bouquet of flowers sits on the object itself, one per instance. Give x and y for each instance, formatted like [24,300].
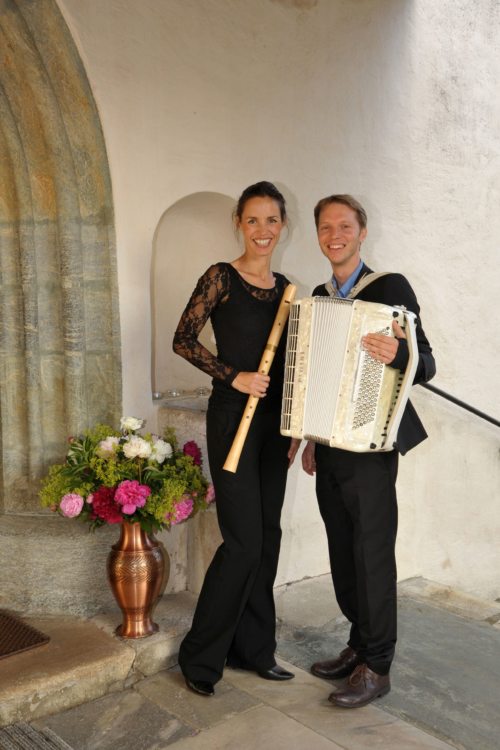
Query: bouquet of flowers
[111,476]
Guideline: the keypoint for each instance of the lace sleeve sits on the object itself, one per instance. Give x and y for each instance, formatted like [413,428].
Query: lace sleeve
[212,289]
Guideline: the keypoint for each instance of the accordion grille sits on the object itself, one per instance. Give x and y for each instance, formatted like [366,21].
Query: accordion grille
[369,390]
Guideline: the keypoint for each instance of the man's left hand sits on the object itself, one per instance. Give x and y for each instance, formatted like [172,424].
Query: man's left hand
[384,348]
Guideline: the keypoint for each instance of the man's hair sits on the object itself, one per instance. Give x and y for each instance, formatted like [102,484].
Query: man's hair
[346,200]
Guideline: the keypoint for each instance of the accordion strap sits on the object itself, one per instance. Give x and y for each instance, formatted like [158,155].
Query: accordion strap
[367,279]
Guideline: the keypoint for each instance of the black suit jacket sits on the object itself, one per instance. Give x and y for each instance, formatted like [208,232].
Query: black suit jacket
[394,289]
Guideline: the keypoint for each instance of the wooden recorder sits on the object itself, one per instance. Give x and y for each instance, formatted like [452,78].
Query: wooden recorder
[266,361]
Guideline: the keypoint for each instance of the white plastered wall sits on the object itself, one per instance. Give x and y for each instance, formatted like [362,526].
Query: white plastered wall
[395,102]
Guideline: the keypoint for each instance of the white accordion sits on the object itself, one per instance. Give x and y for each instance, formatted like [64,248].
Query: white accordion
[335,393]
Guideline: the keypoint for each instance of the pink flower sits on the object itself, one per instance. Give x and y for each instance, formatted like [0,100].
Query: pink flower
[107,448]
[191,449]
[210,496]
[182,510]
[131,495]
[71,505]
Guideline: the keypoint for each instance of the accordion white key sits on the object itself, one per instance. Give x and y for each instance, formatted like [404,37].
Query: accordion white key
[334,392]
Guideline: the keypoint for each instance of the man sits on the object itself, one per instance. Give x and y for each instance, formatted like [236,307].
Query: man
[356,491]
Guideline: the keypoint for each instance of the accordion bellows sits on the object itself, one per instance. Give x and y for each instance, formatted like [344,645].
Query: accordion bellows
[335,393]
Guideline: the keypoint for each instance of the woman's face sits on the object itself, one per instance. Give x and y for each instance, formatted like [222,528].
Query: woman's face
[261,226]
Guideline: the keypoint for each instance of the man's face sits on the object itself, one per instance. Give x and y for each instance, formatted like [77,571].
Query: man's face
[340,236]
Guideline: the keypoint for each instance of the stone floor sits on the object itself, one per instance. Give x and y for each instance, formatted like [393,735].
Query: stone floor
[446,675]
[445,686]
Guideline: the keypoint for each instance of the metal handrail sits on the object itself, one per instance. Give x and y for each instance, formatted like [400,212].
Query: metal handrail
[457,401]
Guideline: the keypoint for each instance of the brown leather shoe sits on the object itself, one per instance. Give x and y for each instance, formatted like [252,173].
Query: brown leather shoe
[362,687]
[342,666]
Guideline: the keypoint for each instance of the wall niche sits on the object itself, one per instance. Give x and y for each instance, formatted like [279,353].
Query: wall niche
[192,234]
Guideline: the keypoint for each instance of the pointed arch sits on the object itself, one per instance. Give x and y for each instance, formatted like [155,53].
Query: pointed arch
[60,367]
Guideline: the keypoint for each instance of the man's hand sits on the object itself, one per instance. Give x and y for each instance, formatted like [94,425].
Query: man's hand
[292,452]
[252,383]
[308,459]
[384,348]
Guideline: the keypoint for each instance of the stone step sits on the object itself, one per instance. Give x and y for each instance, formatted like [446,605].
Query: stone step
[85,660]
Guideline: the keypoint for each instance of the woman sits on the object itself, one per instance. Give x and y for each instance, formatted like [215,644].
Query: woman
[235,618]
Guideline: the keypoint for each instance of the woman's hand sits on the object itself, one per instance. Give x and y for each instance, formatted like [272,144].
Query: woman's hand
[308,459]
[292,451]
[252,383]
[384,348]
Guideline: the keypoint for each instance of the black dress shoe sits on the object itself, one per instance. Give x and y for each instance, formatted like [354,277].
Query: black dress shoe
[200,687]
[334,669]
[275,673]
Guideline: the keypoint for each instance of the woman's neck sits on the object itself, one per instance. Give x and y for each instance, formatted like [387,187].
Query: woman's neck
[255,270]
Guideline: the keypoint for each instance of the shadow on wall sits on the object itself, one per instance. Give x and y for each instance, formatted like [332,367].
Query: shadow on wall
[194,233]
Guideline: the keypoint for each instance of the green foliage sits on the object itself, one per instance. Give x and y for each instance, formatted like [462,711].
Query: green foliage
[170,437]
[161,504]
[100,432]
[110,472]
[54,486]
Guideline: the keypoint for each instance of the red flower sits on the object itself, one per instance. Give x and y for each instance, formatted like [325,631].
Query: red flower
[104,506]
[191,449]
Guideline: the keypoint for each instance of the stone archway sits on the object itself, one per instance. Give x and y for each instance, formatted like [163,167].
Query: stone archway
[60,367]
[59,327]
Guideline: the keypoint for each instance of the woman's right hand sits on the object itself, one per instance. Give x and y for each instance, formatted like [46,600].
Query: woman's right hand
[252,383]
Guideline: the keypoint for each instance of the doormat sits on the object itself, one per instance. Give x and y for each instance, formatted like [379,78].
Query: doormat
[16,636]
[22,736]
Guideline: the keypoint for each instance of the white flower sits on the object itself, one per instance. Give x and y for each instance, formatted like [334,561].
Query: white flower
[137,447]
[130,424]
[106,448]
[161,451]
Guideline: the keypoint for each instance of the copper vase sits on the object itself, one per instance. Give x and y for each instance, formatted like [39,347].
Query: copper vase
[136,569]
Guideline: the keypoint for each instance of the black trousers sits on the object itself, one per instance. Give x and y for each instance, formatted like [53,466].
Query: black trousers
[357,499]
[235,617]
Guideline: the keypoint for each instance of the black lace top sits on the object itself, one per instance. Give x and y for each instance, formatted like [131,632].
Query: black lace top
[242,316]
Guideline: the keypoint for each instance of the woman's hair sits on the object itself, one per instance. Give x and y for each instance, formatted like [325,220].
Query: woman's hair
[346,200]
[260,190]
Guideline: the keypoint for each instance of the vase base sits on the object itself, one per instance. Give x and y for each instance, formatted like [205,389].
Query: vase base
[137,630]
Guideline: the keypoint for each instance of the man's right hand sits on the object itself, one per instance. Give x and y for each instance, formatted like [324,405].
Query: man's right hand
[308,459]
